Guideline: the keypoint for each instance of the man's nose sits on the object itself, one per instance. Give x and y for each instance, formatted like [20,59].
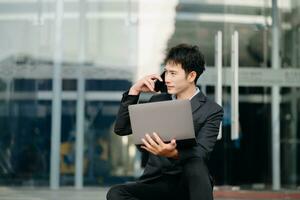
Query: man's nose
[167,78]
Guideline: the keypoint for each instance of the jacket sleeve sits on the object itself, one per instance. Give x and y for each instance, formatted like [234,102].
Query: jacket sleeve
[206,138]
[123,126]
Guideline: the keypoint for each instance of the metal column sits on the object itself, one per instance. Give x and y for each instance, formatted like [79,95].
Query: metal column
[218,65]
[80,101]
[292,156]
[235,86]
[275,100]
[56,99]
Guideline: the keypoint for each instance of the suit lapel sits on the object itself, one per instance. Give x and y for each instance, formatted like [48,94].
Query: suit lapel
[198,101]
[165,97]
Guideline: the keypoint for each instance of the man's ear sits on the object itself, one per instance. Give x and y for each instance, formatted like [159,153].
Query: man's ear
[192,76]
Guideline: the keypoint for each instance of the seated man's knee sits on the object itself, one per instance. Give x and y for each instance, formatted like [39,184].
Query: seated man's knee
[115,193]
[195,167]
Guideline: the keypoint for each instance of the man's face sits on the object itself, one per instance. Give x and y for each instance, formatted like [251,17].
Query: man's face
[176,78]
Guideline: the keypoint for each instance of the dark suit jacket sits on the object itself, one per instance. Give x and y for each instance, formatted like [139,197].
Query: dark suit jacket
[207,116]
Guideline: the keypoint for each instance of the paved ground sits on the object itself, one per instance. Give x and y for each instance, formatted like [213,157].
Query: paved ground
[23,193]
[98,193]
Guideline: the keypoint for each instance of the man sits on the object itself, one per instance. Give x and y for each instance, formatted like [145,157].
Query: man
[172,172]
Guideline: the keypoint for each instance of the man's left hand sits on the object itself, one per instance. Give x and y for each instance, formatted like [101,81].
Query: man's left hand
[156,146]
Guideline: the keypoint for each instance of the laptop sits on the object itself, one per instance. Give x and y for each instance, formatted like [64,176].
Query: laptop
[169,119]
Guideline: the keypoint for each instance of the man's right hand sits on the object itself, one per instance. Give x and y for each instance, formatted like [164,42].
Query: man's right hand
[145,84]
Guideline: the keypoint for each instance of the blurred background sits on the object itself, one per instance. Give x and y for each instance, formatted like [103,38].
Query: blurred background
[65,64]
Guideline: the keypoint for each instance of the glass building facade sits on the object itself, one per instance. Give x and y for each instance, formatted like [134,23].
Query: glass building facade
[98,48]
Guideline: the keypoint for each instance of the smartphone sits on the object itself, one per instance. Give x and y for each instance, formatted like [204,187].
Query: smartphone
[160,86]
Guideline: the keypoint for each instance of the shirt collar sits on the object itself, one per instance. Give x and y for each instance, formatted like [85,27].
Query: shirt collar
[196,92]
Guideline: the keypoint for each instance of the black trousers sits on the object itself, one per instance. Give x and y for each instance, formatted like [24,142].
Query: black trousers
[194,183]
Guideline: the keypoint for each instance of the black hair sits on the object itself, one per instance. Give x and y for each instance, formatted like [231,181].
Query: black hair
[189,56]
